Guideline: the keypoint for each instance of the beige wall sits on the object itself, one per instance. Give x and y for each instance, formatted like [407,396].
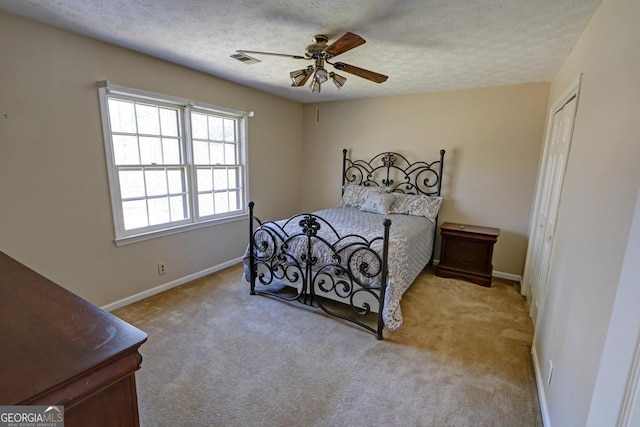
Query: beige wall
[596,211]
[491,135]
[55,213]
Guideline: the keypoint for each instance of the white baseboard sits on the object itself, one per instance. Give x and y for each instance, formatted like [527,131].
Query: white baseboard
[539,383]
[498,274]
[165,287]
[181,281]
[508,276]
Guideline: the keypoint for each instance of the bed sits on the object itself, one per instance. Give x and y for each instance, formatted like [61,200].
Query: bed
[354,261]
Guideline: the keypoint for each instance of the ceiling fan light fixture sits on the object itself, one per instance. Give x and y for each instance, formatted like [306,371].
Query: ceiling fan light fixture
[300,77]
[337,79]
[321,75]
[315,86]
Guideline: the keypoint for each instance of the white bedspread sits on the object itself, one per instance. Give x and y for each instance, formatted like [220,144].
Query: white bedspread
[410,247]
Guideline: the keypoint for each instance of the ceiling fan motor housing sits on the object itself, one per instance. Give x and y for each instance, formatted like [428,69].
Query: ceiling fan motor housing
[316,49]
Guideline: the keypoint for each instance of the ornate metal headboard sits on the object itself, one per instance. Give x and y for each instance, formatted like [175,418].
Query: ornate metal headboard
[395,173]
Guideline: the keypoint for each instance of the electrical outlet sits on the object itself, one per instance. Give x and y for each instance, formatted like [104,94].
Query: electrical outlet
[550,372]
[162,268]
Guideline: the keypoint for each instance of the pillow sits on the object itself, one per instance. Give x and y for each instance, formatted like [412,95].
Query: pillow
[419,205]
[354,196]
[378,202]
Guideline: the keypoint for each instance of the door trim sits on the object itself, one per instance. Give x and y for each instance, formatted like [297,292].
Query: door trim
[573,91]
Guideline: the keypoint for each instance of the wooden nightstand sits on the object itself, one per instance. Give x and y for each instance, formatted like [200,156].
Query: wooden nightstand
[466,252]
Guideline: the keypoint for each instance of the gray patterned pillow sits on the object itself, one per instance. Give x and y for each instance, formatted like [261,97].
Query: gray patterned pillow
[355,195]
[419,205]
[379,202]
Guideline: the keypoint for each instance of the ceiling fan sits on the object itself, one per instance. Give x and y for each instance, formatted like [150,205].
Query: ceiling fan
[320,52]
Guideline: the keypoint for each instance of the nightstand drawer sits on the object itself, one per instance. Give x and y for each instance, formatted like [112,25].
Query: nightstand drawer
[466,246]
[466,260]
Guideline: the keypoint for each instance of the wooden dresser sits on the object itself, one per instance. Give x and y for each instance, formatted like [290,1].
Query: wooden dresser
[58,349]
[466,252]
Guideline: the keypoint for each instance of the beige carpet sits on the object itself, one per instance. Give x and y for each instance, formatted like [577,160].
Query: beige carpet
[217,356]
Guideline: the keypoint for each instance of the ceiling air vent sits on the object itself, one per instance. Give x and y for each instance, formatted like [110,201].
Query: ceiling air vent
[242,57]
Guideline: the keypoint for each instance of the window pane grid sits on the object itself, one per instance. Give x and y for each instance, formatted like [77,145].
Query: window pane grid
[219,190]
[143,133]
[216,156]
[208,152]
[219,202]
[153,195]
[215,139]
[154,159]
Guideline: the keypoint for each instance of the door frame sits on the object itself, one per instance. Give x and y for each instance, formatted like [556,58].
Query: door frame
[573,90]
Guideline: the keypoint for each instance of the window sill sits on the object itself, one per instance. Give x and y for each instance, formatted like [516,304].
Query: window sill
[127,240]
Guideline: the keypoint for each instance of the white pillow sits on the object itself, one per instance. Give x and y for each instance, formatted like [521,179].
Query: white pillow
[354,196]
[379,202]
[419,205]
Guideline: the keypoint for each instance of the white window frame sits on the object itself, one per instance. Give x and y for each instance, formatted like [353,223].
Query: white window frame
[185,106]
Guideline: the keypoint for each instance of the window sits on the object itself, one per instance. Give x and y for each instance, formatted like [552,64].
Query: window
[173,163]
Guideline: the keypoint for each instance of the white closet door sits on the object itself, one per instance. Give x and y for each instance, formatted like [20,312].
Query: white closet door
[548,203]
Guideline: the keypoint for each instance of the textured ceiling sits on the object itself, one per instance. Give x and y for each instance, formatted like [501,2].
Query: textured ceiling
[422,45]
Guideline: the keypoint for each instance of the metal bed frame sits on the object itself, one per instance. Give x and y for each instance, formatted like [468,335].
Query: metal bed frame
[356,269]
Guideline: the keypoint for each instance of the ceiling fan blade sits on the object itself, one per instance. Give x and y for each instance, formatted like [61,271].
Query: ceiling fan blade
[361,72]
[272,54]
[347,42]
